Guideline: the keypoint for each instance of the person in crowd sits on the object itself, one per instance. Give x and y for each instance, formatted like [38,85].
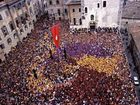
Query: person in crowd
[51,55]
[76,83]
[35,74]
[65,53]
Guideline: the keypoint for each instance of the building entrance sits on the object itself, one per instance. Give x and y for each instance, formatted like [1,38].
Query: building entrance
[92,26]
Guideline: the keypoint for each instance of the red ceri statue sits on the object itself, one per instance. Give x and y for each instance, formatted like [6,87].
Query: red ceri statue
[55,30]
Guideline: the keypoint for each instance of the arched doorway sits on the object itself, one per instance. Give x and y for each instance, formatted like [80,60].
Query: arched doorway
[92,25]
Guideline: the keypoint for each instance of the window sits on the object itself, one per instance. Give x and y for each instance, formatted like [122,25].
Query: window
[57,1]
[18,6]
[98,5]
[15,35]
[9,40]
[11,25]
[83,17]
[21,30]
[17,23]
[47,13]
[60,18]
[0,17]
[58,12]
[2,46]
[26,27]
[53,18]
[80,21]
[46,5]
[74,21]
[4,31]
[66,12]
[92,17]
[30,23]
[23,20]
[73,10]
[33,22]
[7,13]
[31,11]
[86,11]
[79,9]
[50,2]
[27,16]
[104,3]
[28,2]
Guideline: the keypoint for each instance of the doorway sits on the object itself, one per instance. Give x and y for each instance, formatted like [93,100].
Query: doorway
[92,26]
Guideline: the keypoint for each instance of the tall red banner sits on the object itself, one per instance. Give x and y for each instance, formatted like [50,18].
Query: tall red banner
[56,34]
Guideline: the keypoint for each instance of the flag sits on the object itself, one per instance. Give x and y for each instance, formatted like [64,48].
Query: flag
[55,30]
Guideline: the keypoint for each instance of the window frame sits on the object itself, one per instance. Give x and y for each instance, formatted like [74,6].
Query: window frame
[98,5]
[57,2]
[104,4]
[59,12]
[73,10]
[80,21]
[91,17]
[15,35]
[4,28]
[66,11]
[79,9]
[86,10]
[11,23]
[50,2]
[9,41]
[74,21]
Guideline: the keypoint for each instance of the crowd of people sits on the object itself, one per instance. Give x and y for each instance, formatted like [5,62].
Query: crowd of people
[90,69]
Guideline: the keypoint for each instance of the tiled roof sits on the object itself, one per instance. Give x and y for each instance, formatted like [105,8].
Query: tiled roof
[8,2]
[2,3]
[73,2]
[131,10]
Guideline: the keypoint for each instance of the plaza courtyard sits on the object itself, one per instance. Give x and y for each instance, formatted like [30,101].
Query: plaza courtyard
[92,71]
